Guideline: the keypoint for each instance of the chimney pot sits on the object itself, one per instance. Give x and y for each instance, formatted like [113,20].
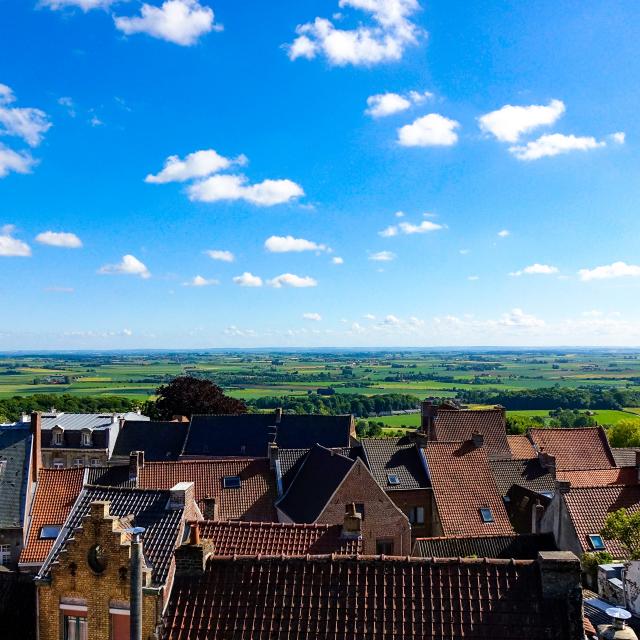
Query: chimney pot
[136,463]
[194,533]
[352,527]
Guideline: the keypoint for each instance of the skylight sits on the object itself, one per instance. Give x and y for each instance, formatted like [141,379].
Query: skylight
[596,542]
[393,479]
[231,482]
[49,531]
[486,515]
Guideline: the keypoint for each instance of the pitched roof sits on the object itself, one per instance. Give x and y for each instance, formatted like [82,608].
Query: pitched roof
[625,456]
[159,440]
[79,421]
[56,492]
[521,447]
[395,456]
[299,432]
[15,452]
[253,500]
[599,477]
[114,476]
[588,508]
[318,477]
[584,448]
[522,547]
[463,484]
[525,473]
[458,425]
[276,538]
[149,509]
[291,460]
[378,599]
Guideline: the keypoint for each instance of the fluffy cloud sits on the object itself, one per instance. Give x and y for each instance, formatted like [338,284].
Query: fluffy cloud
[386,104]
[85,5]
[10,246]
[510,122]
[606,272]
[179,21]
[11,160]
[218,254]
[195,165]
[129,265]
[234,187]
[432,130]
[292,280]
[199,281]
[518,318]
[554,144]
[385,39]
[382,256]
[59,239]
[314,317]
[337,260]
[536,269]
[504,233]
[618,137]
[22,122]
[248,280]
[287,244]
[408,228]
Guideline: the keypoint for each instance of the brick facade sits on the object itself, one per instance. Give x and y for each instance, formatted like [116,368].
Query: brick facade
[68,458]
[409,500]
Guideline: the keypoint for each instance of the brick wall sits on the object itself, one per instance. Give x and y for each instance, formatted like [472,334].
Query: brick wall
[408,499]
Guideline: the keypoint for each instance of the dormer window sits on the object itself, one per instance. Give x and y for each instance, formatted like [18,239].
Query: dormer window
[486,515]
[393,480]
[86,438]
[596,542]
[58,435]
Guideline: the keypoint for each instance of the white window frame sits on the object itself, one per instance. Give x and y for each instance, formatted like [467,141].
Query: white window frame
[57,463]
[58,437]
[95,462]
[87,440]
[5,554]
[78,463]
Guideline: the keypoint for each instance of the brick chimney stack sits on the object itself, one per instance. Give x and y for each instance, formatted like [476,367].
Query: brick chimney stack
[183,496]
[548,462]
[352,527]
[210,509]
[36,445]
[273,455]
[136,463]
[478,439]
[191,558]
[428,415]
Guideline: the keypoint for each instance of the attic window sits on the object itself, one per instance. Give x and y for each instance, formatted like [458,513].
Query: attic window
[49,531]
[596,542]
[231,482]
[393,479]
[486,515]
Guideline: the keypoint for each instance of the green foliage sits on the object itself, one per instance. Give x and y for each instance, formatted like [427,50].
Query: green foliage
[624,526]
[368,429]
[592,559]
[625,433]
[519,424]
[567,418]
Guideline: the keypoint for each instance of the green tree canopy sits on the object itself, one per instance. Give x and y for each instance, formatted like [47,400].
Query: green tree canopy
[625,434]
[624,526]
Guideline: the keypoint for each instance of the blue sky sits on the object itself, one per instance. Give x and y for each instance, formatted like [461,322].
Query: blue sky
[383,172]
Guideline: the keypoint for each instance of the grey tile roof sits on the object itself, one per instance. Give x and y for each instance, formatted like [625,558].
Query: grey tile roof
[397,456]
[15,451]
[523,547]
[526,473]
[159,440]
[115,476]
[79,421]
[291,460]
[625,457]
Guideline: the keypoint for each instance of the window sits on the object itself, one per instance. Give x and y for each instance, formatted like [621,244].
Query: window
[78,462]
[231,482]
[392,479]
[95,462]
[486,515]
[86,439]
[384,547]
[596,542]
[75,628]
[5,554]
[416,515]
[58,463]
[49,531]
[58,436]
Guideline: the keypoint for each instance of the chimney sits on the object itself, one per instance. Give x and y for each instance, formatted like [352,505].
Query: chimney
[194,533]
[562,486]
[136,463]
[478,439]
[191,558]
[115,418]
[618,628]
[548,462]
[273,455]
[428,414]
[183,497]
[560,575]
[536,517]
[352,526]
[278,415]
[210,509]
[121,424]
[36,445]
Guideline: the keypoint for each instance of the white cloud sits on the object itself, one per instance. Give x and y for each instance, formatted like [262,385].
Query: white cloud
[505,233]
[385,39]
[195,165]
[26,123]
[199,281]
[391,319]
[235,187]
[382,256]
[67,103]
[389,232]
[369,316]
[10,246]
[606,272]
[618,137]
[518,318]
[337,260]
[287,244]
[400,214]
[129,265]
[510,122]
[248,280]
[536,269]
[407,228]
[386,104]
[10,160]
[292,280]
[85,5]
[432,130]
[59,239]
[314,317]
[59,289]
[6,94]
[473,278]
[96,122]
[179,21]
[222,255]
[554,144]
[464,252]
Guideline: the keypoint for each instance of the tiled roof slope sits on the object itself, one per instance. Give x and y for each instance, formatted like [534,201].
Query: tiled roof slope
[588,508]
[252,501]
[56,492]
[319,476]
[397,456]
[521,447]
[299,432]
[599,477]
[275,538]
[115,476]
[520,547]
[162,526]
[15,452]
[453,425]
[291,460]
[79,421]
[526,473]
[462,484]
[625,457]
[320,598]
[585,448]
[159,440]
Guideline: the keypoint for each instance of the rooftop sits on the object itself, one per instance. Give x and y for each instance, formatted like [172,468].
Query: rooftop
[521,447]
[522,547]
[291,461]
[599,477]
[159,440]
[625,457]
[15,453]
[79,421]
[525,473]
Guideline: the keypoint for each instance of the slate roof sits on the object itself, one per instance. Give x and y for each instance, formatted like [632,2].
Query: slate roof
[526,473]
[15,453]
[56,492]
[163,526]
[320,598]
[521,547]
[275,538]
[584,448]
[625,457]
[599,477]
[458,425]
[115,476]
[159,440]
[397,456]
[462,484]
[252,501]
[318,477]
[291,460]
[299,432]
[521,447]
[79,421]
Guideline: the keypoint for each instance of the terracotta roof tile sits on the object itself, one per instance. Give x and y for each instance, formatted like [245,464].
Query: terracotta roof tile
[599,477]
[275,538]
[586,448]
[56,492]
[521,448]
[522,547]
[463,484]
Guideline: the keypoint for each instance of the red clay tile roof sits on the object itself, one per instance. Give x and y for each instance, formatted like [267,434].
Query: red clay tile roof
[588,508]
[275,538]
[453,425]
[320,598]
[252,501]
[462,484]
[56,492]
[586,448]
[521,448]
[599,477]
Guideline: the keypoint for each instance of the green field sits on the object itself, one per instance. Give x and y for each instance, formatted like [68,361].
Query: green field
[602,416]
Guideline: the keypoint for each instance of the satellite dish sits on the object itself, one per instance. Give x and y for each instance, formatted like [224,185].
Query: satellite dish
[617,613]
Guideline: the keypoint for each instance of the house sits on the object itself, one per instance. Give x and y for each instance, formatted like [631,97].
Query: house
[83,588]
[325,486]
[377,598]
[160,440]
